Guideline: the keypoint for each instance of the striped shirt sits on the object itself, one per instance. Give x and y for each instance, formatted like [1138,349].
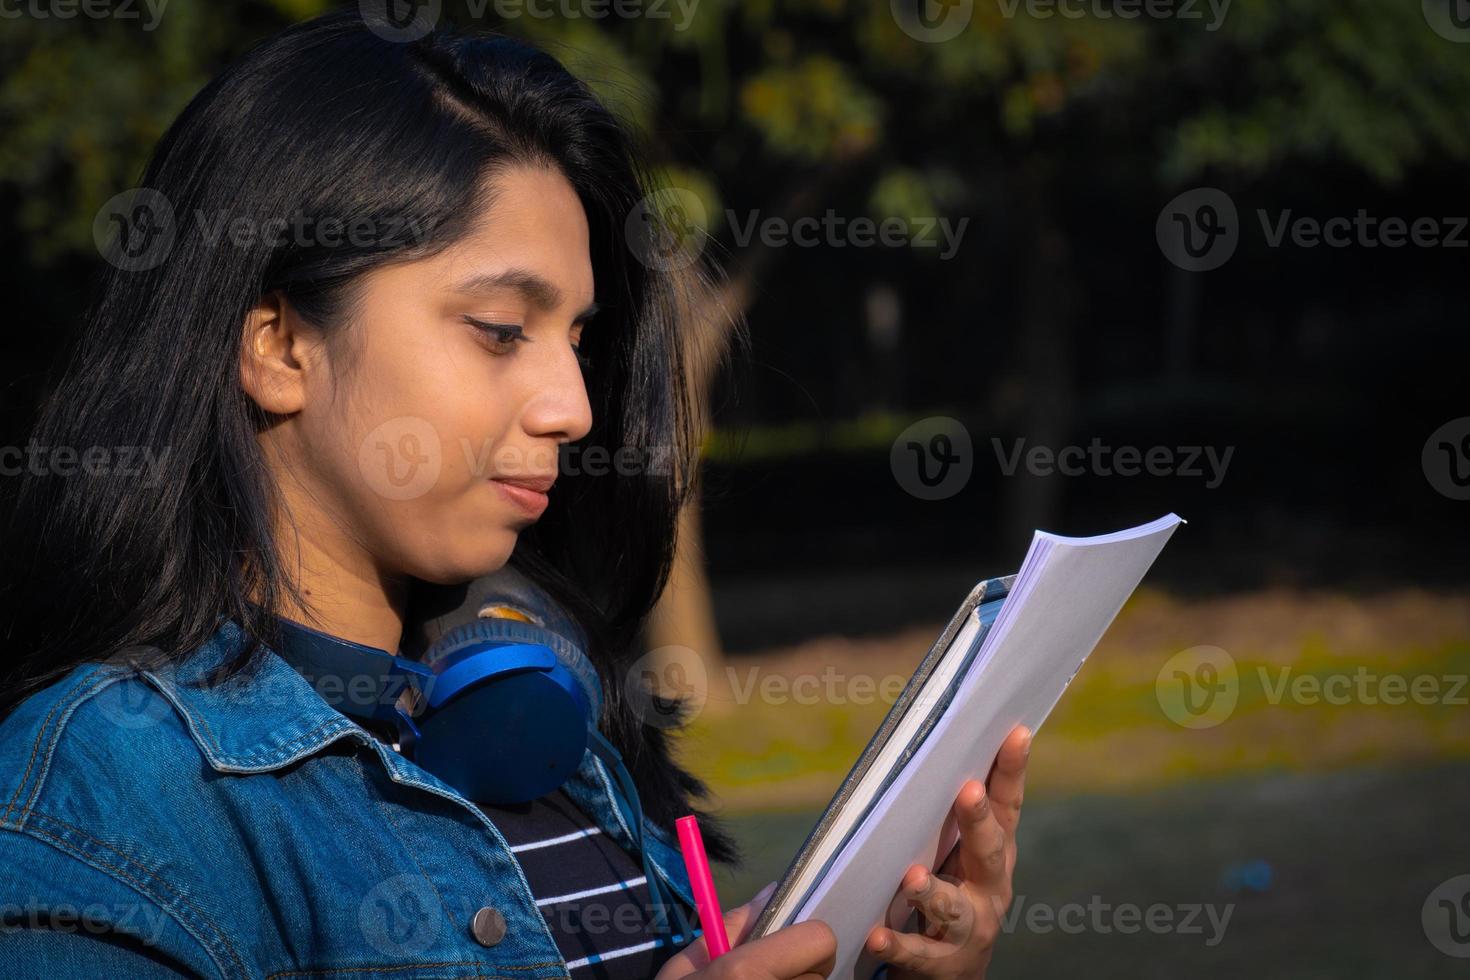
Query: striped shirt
[590,891]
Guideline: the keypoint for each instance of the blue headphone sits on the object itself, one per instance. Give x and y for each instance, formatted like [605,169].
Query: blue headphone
[502,705]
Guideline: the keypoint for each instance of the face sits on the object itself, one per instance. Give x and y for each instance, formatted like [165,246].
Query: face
[457,374]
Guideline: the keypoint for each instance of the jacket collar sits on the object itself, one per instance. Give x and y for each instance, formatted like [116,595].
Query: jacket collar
[267,715]
[261,717]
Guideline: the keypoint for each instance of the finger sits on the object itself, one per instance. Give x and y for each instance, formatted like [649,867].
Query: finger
[945,907]
[739,922]
[983,841]
[948,920]
[1007,780]
[808,947]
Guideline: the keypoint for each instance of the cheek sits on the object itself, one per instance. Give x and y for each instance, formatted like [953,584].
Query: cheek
[402,419]
[417,438]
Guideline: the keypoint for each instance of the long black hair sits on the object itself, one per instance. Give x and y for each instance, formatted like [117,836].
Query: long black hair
[333,117]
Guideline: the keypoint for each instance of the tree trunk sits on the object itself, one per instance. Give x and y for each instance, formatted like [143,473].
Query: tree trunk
[684,615]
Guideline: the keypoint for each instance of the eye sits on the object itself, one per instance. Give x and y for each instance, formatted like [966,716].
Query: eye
[501,337]
[582,359]
[578,344]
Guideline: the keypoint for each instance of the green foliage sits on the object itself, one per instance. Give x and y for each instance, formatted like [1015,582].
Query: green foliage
[1364,80]
[792,84]
[83,102]
[811,109]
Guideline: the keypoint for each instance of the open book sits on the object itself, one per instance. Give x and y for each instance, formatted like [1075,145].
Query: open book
[1003,660]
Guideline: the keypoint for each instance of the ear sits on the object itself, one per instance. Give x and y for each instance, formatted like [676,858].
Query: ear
[276,354]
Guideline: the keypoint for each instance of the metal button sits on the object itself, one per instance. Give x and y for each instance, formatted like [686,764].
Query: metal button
[488,926]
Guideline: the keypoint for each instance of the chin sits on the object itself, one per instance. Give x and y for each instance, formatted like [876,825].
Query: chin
[473,558]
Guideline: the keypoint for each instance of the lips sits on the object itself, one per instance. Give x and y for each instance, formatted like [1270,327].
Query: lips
[540,484]
[528,493]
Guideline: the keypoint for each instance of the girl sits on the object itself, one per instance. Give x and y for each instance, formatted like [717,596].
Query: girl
[373,285]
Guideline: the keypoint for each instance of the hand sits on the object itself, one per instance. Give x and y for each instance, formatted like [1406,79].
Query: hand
[960,908]
[805,951]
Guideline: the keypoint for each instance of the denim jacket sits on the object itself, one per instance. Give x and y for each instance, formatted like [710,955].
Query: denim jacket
[246,828]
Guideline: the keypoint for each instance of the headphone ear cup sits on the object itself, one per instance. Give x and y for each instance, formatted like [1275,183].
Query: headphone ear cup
[501,718]
[510,739]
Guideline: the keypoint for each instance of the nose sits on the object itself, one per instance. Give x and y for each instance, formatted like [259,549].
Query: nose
[557,406]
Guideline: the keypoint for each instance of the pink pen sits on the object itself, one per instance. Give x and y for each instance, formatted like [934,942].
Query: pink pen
[702,884]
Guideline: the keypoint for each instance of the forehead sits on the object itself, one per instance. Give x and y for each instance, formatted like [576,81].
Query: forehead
[532,219]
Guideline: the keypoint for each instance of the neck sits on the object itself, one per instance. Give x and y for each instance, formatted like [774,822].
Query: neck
[342,590]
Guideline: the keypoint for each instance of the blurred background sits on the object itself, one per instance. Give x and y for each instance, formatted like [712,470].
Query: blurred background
[1006,265]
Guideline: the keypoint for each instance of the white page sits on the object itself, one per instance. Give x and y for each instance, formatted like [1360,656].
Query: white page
[896,745]
[1068,594]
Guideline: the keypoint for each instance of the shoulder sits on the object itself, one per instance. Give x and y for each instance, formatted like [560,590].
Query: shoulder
[81,802]
[71,746]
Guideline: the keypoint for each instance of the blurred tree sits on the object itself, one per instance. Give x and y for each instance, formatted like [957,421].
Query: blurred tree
[919,108]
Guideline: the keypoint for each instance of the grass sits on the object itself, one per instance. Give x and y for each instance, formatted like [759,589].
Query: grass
[1322,826]
[1109,732]
[1323,875]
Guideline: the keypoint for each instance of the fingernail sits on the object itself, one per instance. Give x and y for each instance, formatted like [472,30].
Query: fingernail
[763,894]
[882,944]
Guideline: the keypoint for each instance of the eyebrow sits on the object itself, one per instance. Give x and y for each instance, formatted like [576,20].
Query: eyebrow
[536,290]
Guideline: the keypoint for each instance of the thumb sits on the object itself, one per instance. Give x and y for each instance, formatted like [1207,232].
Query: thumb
[740,920]
[738,924]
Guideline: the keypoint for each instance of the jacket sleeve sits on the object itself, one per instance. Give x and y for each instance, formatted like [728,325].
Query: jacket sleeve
[64,915]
